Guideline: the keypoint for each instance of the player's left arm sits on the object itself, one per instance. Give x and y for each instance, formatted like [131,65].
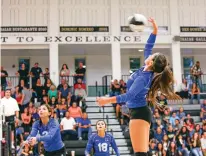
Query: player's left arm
[114,146]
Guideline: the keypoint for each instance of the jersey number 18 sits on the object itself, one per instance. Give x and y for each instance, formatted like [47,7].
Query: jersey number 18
[102,147]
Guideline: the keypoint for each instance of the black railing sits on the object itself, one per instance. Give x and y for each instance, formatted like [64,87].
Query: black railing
[125,78]
[112,135]
[106,81]
[107,120]
[15,80]
[70,80]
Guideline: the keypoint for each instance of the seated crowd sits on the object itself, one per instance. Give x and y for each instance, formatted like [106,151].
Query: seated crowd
[68,104]
[172,132]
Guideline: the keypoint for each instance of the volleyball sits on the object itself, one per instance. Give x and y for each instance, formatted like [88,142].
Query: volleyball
[137,22]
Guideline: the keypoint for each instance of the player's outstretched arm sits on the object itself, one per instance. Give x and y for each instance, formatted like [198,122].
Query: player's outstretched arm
[151,40]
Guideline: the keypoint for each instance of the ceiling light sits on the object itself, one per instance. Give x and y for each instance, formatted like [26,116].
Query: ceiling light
[140,50]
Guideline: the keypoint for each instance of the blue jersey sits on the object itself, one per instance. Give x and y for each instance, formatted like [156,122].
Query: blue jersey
[49,134]
[139,82]
[101,145]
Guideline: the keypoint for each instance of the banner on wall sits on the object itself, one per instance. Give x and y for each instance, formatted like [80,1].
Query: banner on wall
[192,39]
[147,29]
[192,29]
[23,29]
[69,39]
[84,29]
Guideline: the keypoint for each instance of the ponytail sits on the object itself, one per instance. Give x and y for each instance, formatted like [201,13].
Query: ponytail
[162,81]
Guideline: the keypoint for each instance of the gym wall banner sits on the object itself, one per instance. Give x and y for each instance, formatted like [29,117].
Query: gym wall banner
[84,29]
[69,39]
[23,29]
[147,29]
[192,39]
[193,29]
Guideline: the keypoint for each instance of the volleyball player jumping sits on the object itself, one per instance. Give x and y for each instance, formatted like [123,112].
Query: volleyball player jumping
[143,85]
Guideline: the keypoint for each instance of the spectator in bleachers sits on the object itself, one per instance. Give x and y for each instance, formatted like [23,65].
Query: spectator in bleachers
[181,114]
[62,108]
[173,118]
[2,92]
[35,73]
[45,100]
[203,110]
[26,119]
[152,148]
[172,149]
[165,142]
[68,126]
[21,85]
[44,93]
[166,117]
[64,92]
[64,71]
[125,115]
[53,102]
[31,107]
[160,150]
[189,118]
[84,126]
[4,74]
[181,146]
[17,95]
[26,98]
[75,111]
[27,151]
[48,85]
[23,74]
[203,143]
[185,134]
[79,82]
[183,90]
[35,115]
[162,103]
[38,89]
[115,88]
[196,72]
[170,133]
[52,93]
[195,92]
[158,135]
[190,127]
[80,94]
[80,72]
[196,145]
[123,86]
[63,81]
[10,87]
[46,75]
[198,130]
[177,125]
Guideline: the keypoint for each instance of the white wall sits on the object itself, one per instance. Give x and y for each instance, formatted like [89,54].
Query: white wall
[24,13]
[97,65]
[8,61]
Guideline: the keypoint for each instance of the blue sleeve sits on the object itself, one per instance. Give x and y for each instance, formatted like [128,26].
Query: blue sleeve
[114,146]
[53,128]
[149,46]
[135,89]
[34,130]
[89,146]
